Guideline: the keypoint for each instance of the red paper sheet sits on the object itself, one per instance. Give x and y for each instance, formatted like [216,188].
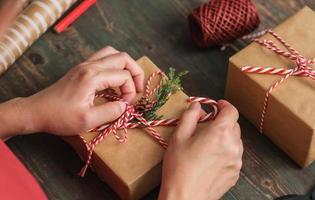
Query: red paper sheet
[16,182]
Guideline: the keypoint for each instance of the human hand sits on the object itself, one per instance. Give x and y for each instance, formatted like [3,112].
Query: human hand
[203,164]
[67,107]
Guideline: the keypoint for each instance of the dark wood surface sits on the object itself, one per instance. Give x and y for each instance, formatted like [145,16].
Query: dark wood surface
[157,29]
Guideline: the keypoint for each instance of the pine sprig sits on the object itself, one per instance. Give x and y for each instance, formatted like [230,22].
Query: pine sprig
[171,83]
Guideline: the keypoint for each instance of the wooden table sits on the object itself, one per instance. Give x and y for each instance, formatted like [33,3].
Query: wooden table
[157,29]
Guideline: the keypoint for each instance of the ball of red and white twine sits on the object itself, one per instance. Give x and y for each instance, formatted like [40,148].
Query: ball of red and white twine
[125,121]
[220,22]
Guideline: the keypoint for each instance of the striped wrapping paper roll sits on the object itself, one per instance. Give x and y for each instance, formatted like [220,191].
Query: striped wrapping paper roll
[28,27]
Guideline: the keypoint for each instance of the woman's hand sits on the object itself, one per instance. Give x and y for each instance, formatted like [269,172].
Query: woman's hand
[203,164]
[67,107]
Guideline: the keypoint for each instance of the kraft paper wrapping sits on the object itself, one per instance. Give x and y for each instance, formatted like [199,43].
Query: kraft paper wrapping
[28,27]
[132,169]
[290,120]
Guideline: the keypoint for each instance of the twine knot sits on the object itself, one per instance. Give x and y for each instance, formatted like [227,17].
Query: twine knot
[132,118]
[304,66]
[301,63]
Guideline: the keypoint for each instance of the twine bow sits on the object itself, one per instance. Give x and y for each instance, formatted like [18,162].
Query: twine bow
[303,67]
[127,121]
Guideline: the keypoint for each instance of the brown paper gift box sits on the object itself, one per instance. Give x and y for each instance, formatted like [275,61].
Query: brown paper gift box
[132,169]
[290,119]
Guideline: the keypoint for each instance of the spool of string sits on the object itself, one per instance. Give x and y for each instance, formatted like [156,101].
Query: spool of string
[220,22]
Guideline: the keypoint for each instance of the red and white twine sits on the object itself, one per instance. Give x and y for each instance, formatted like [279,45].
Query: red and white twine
[125,122]
[303,67]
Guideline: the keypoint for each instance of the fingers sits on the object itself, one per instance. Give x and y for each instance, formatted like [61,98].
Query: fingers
[227,113]
[238,143]
[188,122]
[105,113]
[236,159]
[106,51]
[237,130]
[110,58]
[241,149]
[121,61]
[111,78]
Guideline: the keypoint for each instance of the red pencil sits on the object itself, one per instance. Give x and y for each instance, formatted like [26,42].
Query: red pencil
[73,15]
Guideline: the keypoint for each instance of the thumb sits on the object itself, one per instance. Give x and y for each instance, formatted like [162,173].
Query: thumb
[228,113]
[188,122]
[106,113]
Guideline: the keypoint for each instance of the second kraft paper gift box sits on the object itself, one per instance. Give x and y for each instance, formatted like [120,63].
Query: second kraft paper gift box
[133,168]
[290,114]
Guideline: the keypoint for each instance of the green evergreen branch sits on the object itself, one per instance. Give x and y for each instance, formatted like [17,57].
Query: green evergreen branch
[171,83]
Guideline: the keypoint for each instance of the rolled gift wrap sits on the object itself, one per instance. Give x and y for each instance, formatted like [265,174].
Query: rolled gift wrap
[28,27]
